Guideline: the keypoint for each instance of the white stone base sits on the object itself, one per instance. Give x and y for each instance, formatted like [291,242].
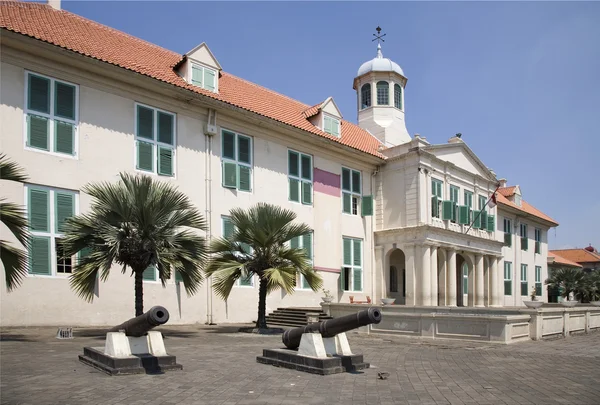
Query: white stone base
[338,345]
[120,346]
[314,345]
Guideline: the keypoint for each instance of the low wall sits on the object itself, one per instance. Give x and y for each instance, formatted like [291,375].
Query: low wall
[499,325]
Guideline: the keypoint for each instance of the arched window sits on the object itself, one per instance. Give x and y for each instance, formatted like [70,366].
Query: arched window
[398,96]
[383,91]
[365,96]
[393,279]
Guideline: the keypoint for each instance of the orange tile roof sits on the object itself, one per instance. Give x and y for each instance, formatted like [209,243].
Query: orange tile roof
[578,255]
[507,191]
[86,37]
[312,111]
[562,260]
[525,207]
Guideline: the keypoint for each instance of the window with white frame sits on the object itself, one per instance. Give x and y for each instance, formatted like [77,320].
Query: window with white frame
[204,77]
[398,96]
[228,229]
[351,191]
[383,93]
[524,286]
[454,197]
[303,242]
[300,177]
[523,233]
[365,95]
[236,161]
[47,211]
[437,196]
[507,232]
[51,114]
[538,280]
[155,140]
[538,240]
[507,278]
[468,196]
[351,276]
[331,125]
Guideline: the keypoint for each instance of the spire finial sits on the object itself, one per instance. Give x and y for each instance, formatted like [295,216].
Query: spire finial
[379,39]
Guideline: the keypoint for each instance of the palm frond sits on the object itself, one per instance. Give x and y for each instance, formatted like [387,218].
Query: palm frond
[10,170]
[15,264]
[15,219]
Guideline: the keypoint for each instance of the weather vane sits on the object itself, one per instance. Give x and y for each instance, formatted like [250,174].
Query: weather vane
[378,36]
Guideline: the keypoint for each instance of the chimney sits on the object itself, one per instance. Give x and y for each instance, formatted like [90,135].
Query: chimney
[55,4]
[502,183]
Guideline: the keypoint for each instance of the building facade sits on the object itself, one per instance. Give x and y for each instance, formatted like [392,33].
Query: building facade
[390,213]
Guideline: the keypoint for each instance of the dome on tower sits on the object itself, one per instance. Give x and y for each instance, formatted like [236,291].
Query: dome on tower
[379,64]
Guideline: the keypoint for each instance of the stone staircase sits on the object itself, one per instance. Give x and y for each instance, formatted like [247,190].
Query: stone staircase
[294,316]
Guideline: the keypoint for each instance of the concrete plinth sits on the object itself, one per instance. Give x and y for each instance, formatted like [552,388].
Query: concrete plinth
[324,366]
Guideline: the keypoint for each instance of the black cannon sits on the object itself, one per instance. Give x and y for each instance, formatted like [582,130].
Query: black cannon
[140,325]
[291,337]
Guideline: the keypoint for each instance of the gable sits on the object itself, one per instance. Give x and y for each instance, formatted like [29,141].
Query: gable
[331,108]
[202,54]
[460,155]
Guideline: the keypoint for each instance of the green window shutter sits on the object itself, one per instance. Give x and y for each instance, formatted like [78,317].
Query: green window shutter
[293,164]
[306,193]
[294,190]
[244,176]
[39,206]
[507,239]
[37,132]
[244,149]
[538,289]
[306,165]
[65,141]
[65,100]
[39,257]
[463,214]
[165,128]
[165,161]
[357,245]
[435,207]
[145,122]
[454,210]
[295,242]
[197,76]
[491,223]
[524,291]
[357,273]
[305,284]
[228,144]
[65,208]
[343,279]
[447,207]
[484,220]
[524,243]
[228,228]
[178,278]
[145,156]
[335,127]
[209,79]
[367,205]
[39,94]
[307,245]
[538,247]
[347,203]
[229,175]
[507,287]
[346,180]
[477,221]
[347,246]
[149,274]
[356,182]
[327,124]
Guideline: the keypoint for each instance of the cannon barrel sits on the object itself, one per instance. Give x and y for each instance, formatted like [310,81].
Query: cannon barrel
[140,325]
[331,327]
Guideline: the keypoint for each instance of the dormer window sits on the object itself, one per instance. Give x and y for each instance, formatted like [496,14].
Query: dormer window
[203,77]
[331,125]
[365,96]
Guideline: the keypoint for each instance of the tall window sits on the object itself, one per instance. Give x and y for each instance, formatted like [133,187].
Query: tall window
[507,232]
[523,229]
[300,176]
[352,274]
[228,229]
[236,161]
[482,201]
[51,114]
[538,280]
[47,210]
[468,199]
[331,125]
[538,240]
[365,96]
[155,140]
[398,96]
[203,77]
[383,90]
[304,242]
[524,291]
[437,196]
[454,192]
[351,191]
[507,278]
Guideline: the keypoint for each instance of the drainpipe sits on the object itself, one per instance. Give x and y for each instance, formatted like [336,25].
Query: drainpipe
[208,208]
[515,272]
[373,260]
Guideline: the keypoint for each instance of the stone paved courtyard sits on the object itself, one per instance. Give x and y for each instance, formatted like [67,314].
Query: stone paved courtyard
[220,368]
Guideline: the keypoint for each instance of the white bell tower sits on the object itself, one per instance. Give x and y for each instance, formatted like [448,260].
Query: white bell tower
[379,86]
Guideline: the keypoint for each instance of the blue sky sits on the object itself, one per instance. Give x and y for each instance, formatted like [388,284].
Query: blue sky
[519,80]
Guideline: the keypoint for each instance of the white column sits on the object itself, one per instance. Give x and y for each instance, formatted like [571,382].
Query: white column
[411,265]
[442,280]
[470,282]
[479,280]
[425,276]
[500,275]
[434,276]
[451,279]
[494,282]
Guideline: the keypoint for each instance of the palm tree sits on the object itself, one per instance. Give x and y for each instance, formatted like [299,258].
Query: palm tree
[137,223]
[258,247]
[567,280]
[15,219]
[591,286]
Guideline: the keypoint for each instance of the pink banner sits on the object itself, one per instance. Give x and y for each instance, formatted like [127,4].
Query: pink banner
[326,182]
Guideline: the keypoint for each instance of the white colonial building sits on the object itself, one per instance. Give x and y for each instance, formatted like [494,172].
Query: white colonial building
[82,102]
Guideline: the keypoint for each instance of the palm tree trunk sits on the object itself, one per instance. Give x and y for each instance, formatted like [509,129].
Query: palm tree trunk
[261,322]
[139,293]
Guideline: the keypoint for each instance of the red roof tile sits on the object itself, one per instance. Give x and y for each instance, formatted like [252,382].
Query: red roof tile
[507,191]
[312,111]
[578,255]
[525,207]
[562,260]
[86,37]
